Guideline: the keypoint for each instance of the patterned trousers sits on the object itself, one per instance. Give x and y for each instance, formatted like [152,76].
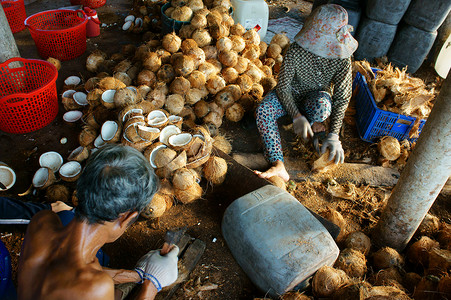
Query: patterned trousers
[316,108]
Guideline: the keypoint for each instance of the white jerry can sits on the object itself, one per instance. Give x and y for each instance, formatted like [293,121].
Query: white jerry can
[276,240]
[251,14]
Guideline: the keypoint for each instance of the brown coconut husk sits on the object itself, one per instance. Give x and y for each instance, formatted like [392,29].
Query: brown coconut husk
[281,39]
[166,73]
[230,74]
[124,97]
[174,103]
[359,241]
[94,60]
[429,226]
[213,118]
[110,83]
[184,65]
[193,192]
[444,286]
[245,83]
[327,280]
[171,42]
[202,37]
[123,77]
[55,62]
[384,292]
[79,154]
[418,252]
[352,262]
[268,83]
[215,170]
[273,51]
[439,262]
[57,192]
[140,146]
[237,29]
[69,103]
[387,257]
[410,280]
[201,108]
[426,289]
[87,136]
[352,291]
[222,143]
[389,148]
[179,85]
[156,207]
[164,156]
[146,77]
[152,61]
[197,79]
[336,218]
[294,296]
[94,97]
[235,112]
[444,236]
[183,178]
[215,83]
[388,277]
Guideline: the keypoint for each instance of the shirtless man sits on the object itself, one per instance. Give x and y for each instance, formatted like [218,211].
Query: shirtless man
[60,262]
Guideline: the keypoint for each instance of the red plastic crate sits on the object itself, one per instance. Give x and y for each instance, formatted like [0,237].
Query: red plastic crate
[28,98]
[15,13]
[373,122]
[93,3]
[59,33]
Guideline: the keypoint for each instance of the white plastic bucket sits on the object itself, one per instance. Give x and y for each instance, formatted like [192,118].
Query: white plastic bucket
[250,13]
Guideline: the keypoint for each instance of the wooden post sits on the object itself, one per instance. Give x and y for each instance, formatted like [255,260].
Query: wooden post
[8,47]
[424,176]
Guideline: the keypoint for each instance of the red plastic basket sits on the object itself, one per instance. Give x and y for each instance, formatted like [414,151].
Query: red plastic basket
[28,98]
[59,33]
[93,3]
[15,13]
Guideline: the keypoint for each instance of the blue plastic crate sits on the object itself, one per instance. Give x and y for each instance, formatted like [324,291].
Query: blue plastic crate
[373,122]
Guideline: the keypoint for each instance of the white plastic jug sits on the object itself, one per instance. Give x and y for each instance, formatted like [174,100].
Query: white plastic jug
[251,13]
[443,62]
[276,240]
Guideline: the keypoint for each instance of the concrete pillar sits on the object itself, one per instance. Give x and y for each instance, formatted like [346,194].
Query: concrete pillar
[8,47]
[426,172]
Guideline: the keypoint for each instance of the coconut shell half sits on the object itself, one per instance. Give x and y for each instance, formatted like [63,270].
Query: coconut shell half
[70,171]
[147,133]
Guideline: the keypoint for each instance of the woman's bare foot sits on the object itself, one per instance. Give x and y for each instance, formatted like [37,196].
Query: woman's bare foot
[318,127]
[60,206]
[278,169]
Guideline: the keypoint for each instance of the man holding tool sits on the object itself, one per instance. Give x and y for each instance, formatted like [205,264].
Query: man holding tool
[59,262]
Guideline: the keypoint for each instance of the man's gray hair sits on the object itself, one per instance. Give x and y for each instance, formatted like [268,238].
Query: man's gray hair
[116,179]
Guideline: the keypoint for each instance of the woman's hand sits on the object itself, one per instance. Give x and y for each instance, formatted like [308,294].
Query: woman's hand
[301,127]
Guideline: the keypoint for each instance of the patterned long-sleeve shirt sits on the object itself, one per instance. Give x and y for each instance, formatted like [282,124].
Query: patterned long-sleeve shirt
[303,72]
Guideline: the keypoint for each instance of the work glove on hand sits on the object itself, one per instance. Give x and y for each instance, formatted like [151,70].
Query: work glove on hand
[161,270]
[336,150]
[301,127]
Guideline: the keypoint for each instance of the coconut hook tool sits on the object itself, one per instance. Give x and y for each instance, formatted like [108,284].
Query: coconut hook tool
[171,238]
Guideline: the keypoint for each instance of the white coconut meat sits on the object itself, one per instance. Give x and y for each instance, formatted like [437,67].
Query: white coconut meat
[68,94]
[72,116]
[180,140]
[129,18]
[147,133]
[175,120]
[133,111]
[41,177]
[7,177]
[72,80]
[138,22]
[52,160]
[109,130]
[167,132]
[80,98]
[79,154]
[157,118]
[108,96]
[70,170]
[127,25]
[154,153]
[99,142]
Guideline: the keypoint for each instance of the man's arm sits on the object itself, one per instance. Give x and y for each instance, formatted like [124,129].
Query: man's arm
[148,291]
[122,276]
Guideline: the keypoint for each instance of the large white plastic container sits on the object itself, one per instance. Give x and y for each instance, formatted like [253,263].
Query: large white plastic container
[251,13]
[443,62]
[276,240]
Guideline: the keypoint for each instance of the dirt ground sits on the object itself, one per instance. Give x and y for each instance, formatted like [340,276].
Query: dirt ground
[217,269]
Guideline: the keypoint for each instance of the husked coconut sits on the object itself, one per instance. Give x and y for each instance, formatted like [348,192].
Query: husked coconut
[87,136]
[257,62]
[122,66]
[175,103]
[255,73]
[208,69]
[237,29]
[187,45]
[387,257]
[152,61]
[164,156]
[156,207]
[280,39]
[230,74]
[429,226]
[183,65]
[389,277]
[79,154]
[91,83]
[183,178]
[222,143]
[215,170]
[180,85]
[216,108]
[268,84]
[251,52]
[111,83]
[166,73]
[182,14]
[327,280]
[201,109]
[214,118]
[247,101]
[263,48]
[94,60]
[234,90]
[178,162]
[252,37]
[199,21]
[257,91]
[93,97]
[215,84]
[143,90]
[186,31]
[214,18]
[219,31]
[202,37]
[193,192]
[294,296]
[241,64]
[235,112]
[238,43]
[171,42]
[359,241]
[141,52]
[195,5]
[228,58]
[267,71]
[270,62]
[57,192]
[197,79]
[418,252]
[336,218]
[273,51]
[146,77]
[224,44]
[211,52]
[352,262]
[56,63]
[178,3]
[124,97]
[245,83]
[188,114]
[198,55]
[193,96]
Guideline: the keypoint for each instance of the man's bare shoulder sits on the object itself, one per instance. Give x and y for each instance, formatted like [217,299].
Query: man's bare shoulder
[89,283]
[43,220]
